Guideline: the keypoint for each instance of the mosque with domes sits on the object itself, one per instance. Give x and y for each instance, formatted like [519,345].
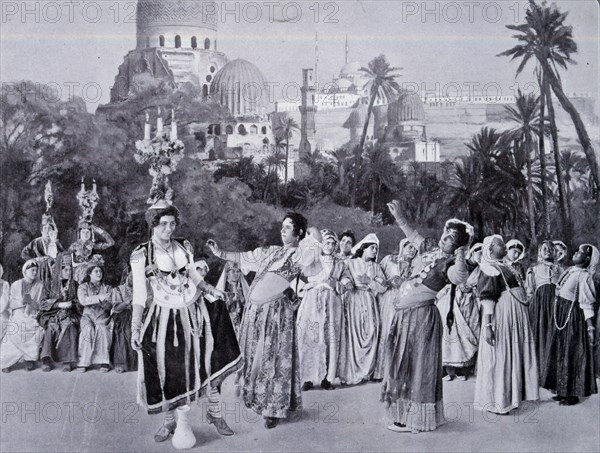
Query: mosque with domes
[177,43]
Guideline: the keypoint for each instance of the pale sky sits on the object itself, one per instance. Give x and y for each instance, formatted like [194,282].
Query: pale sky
[76,44]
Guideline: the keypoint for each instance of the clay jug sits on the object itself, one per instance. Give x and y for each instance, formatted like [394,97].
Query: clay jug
[183,438]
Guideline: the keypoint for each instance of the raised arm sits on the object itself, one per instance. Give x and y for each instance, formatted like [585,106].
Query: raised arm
[458,273]
[107,240]
[411,234]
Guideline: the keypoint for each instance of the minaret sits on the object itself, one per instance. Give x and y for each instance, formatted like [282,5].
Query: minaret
[346,49]
[317,61]
[307,110]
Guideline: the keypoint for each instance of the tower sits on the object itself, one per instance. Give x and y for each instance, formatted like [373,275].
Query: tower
[307,110]
[347,51]
[176,42]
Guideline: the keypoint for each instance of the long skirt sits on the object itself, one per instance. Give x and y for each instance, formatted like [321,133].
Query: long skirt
[387,310]
[540,317]
[460,343]
[570,362]
[412,384]
[61,336]
[122,354]
[359,337]
[169,372]
[507,373]
[319,319]
[95,337]
[271,372]
[23,336]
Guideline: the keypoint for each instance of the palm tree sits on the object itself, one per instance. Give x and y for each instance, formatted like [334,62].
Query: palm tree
[341,156]
[542,154]
[285,129]
[560,176]
[545,36]
[381,85]
[526,114]
[378,171]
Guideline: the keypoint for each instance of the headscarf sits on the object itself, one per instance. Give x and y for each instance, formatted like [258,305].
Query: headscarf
[28,264]
[63,259]
[487,264]
[550,244]
[595,260]
[403,243]
[475,248]
[563,246]
[222,283]
[328,234]
[370,238]
[511,244]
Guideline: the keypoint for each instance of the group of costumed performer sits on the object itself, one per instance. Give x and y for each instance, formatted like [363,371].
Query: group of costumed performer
[412,383]
[507,369]
[459,308]
[319,319]
[185,344]
[22,334]
[271,373]
[359,338]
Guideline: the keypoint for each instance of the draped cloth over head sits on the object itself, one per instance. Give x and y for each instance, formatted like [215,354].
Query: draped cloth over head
[403,243]
[488,264]
[28,265]
[474,248]
[515,242]
[328,234]
[595,260]
[370,238]
[222,283]
[550,244]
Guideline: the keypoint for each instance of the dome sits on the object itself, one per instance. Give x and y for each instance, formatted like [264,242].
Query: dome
[176,23]
[357,117]
[239,86]
[343,84]
[408,107]
[350,68]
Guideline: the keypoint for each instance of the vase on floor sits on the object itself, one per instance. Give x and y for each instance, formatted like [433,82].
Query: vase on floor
[183,438]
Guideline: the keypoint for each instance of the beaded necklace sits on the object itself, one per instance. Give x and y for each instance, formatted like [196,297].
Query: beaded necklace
[161,279]
[564,278]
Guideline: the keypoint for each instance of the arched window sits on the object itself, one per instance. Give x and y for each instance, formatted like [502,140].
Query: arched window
[241,129]
[264,130]
[217,129]
[205,92]
[253,129]
[194,42]
[161,41]
[207,44]
[210,129]
[177,41]
[229,129]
